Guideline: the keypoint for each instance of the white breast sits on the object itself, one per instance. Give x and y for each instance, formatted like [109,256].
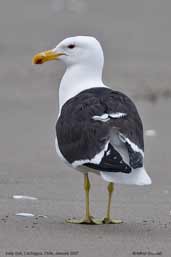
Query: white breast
[59,152]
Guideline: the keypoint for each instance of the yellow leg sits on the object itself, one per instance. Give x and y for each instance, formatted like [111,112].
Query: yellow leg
[107,219]
[88,219]
[87,190]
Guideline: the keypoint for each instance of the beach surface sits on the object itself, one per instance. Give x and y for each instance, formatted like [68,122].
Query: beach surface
[136,39]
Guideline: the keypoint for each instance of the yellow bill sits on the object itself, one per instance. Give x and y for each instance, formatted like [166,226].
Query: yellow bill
[46,56]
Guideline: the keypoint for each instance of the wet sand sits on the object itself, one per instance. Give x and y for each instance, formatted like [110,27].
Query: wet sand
[136,39]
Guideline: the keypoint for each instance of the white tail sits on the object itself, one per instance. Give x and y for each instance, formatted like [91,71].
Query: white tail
[137,176]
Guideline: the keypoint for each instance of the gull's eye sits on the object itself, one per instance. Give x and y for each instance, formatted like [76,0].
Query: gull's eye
[71,46]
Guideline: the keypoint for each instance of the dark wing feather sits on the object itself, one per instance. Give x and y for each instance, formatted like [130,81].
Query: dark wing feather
[111,162]
[81,138]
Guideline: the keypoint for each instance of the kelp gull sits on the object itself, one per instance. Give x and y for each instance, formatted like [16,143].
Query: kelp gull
[98,130]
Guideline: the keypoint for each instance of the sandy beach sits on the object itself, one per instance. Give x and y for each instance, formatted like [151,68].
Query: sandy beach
[136,39]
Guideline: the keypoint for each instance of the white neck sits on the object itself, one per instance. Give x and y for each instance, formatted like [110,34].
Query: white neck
[76,79]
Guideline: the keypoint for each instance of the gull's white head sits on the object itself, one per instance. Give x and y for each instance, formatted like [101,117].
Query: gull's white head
[80,50]
[83,57]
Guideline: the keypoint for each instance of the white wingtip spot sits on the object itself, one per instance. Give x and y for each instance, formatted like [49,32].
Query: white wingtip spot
[108,152]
